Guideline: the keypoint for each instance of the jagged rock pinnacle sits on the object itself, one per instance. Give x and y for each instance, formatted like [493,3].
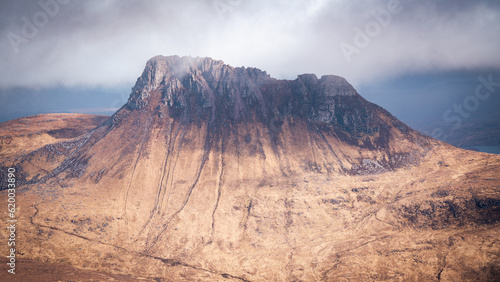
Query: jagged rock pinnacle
[191,85]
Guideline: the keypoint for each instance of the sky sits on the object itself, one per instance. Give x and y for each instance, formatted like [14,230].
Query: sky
[52,47]
[107,42]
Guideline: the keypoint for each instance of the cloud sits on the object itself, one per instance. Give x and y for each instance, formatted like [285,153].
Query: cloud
[106,43]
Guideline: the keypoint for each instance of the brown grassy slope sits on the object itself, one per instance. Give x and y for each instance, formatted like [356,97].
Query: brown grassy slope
[144,208]
[27,134]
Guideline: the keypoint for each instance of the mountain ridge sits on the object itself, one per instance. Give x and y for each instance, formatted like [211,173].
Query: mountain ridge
[205,90]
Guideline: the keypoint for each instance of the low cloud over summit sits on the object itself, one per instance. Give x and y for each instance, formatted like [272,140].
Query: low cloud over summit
[104,43]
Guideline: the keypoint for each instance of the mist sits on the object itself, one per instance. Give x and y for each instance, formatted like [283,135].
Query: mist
[106,43]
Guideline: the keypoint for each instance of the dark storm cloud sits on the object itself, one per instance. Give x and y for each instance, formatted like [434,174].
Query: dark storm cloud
[92,43]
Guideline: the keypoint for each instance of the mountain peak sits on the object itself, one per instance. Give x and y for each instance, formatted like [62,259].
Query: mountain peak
[176,78]
[160,68]
[207,91]
[185,61]
[336,85]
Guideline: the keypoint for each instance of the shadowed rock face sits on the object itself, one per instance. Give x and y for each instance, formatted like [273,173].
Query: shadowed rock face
[202,88]
[195,91]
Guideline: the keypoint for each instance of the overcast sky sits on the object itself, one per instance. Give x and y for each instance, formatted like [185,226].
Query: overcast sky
[107,43]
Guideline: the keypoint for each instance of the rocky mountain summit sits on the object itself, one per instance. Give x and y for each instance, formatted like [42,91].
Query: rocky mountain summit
[211,173]
[191,86]
[227,99]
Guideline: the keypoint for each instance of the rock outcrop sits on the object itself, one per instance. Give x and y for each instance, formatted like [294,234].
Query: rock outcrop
[205,91]
[203,88]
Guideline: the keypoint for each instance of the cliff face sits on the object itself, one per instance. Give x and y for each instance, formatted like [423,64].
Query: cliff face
[196,91]
[205,89]
[211,172]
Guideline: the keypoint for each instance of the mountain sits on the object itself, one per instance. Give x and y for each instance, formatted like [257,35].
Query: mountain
[212,172]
